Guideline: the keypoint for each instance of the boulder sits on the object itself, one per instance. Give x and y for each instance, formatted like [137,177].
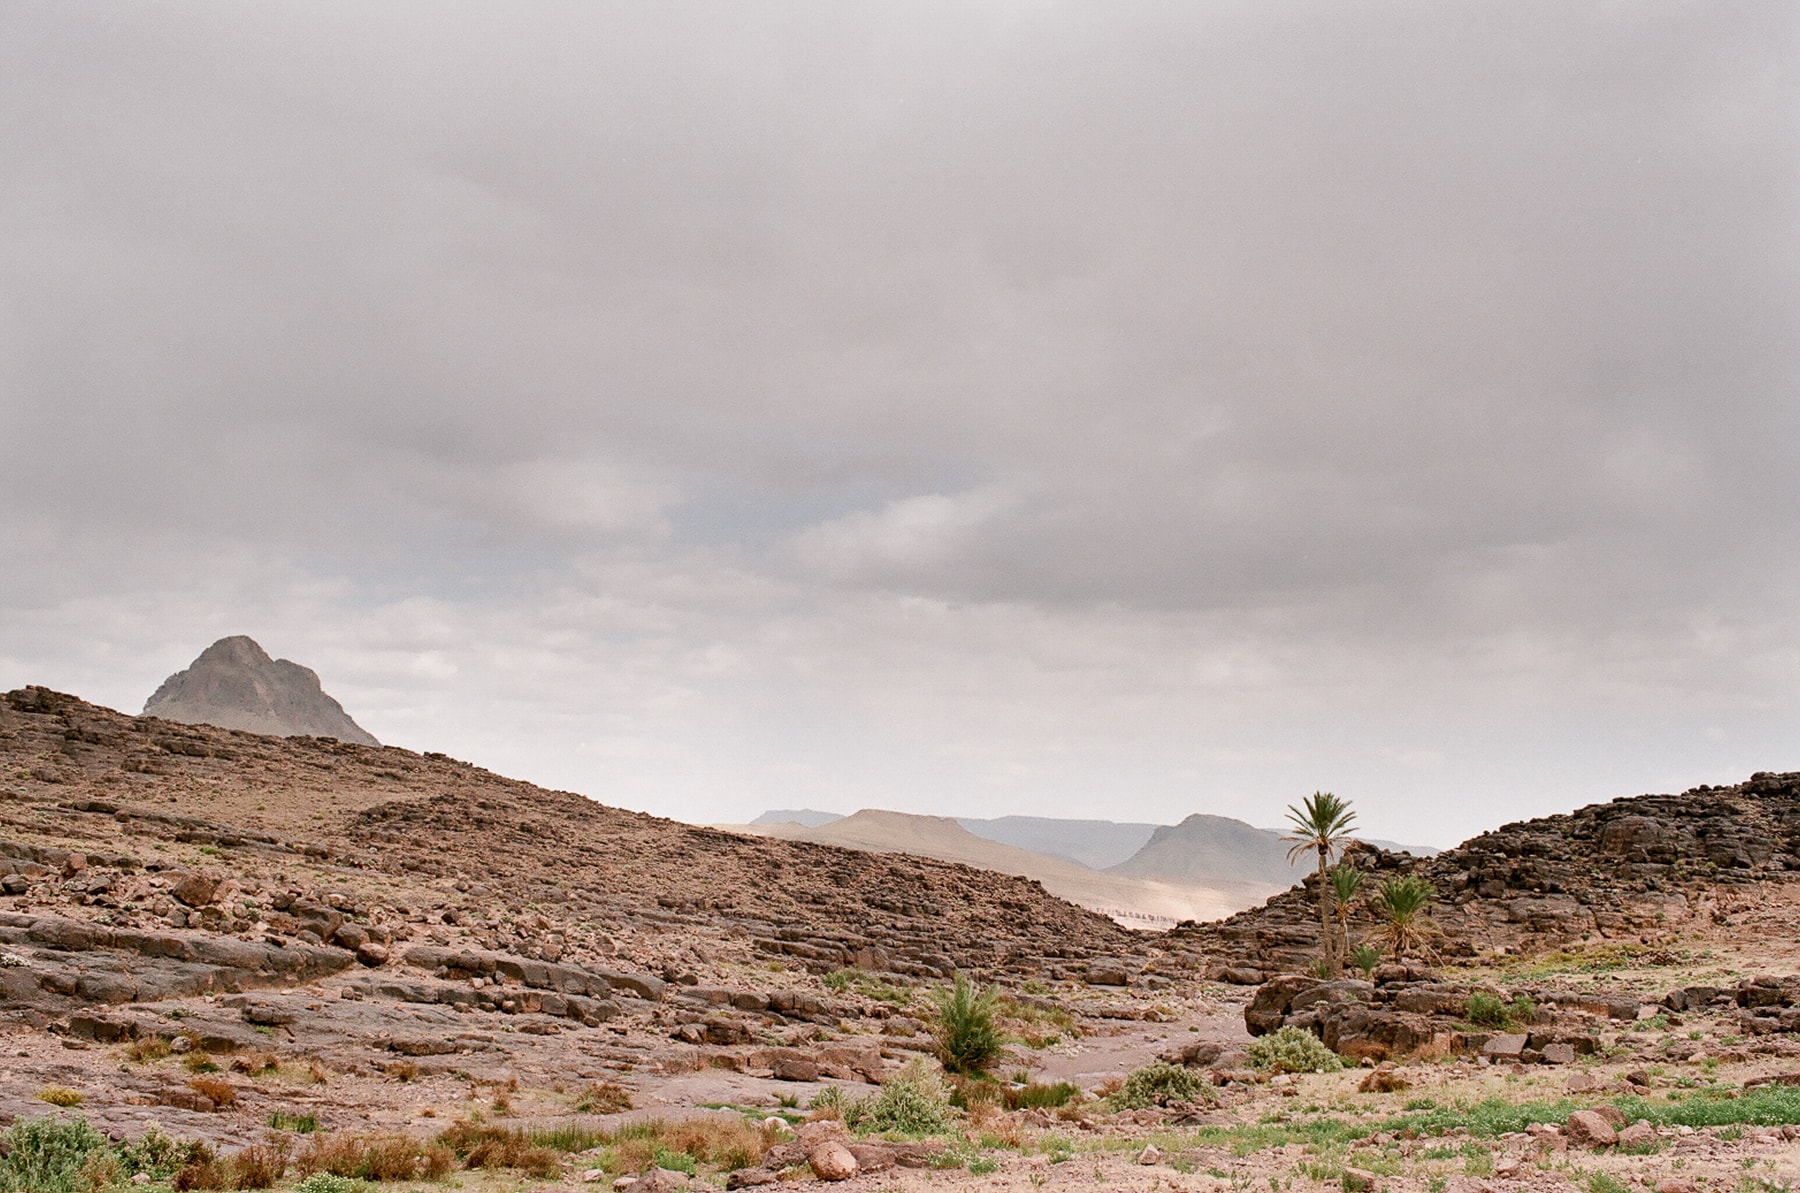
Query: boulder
[1589,1128]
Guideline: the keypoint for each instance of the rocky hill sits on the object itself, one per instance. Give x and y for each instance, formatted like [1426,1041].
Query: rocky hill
[1138,902]
[234,684]
[1097,844]
[496,863]
[1639,869]
[1216,846]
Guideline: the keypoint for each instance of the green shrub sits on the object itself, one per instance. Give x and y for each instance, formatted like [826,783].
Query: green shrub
[1486,1009]
[968,1039]
[1161,1084]
[47,1155]
[913,1102]
[1293,1050]
[1365,957]
[158,1156]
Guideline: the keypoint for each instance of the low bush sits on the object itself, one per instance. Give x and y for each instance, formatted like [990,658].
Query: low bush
[221,1091]
[49,1155]
[1161,1084]
[725,1143]
[327,1182]
[299,1124]
[59,1095]
[1293,1050]
[913,1102]
[158,1156]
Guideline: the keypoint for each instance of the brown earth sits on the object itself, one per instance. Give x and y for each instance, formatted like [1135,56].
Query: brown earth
[380,939]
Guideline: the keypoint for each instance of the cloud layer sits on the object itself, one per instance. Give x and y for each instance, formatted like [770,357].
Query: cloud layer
[1017,408]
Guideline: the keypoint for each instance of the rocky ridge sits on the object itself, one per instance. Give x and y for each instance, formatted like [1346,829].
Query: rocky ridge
[1639,869]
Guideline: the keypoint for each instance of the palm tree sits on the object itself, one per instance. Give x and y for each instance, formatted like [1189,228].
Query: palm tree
[1346,881]
[1321,823]
[1403,903]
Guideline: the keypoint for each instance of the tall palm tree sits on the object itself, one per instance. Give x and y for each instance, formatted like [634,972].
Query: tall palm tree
[1322,824]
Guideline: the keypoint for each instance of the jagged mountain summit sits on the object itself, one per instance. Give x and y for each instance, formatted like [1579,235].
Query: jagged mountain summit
[234,684]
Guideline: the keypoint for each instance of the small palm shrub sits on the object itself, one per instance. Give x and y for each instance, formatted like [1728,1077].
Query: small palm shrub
[1161,1084]
[1365,957]
[1402,903]
[968,1039]
[1293,1050]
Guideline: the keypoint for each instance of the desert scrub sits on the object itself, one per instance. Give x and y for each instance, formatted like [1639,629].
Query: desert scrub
[59,1095]
[1487,1010]
[968,1038]
[328,1182]
[1037,1096]
[603,1097]
[724,1143]
[914,1102]
[1161,1084]
[1293,1050]
[374,1157]
[50,1155]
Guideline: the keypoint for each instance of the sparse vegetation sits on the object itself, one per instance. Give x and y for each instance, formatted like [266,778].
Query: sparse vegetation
[603,1097]
[915,1102]
[59,1095]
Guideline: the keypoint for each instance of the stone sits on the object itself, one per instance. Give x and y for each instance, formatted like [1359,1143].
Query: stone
[872,1155]
[1505,1047]
[794,1068]
[750,1178]
[1559,1054]
[1639,1136]
[1241,975]
[1589,1128]
[1585,1083]
[832,1161]
[660,1180]
[195,890]
[1150,1155]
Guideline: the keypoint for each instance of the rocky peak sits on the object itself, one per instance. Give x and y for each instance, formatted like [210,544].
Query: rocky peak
[234,684]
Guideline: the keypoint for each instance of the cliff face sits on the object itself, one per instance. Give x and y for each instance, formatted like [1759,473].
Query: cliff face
[1636,869]
[234,684]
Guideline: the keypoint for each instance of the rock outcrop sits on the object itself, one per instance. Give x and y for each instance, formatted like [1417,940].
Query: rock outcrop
[234,684]
[1636,869]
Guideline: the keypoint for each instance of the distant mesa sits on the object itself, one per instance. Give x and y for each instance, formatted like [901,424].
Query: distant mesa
[234,684]
[805,817]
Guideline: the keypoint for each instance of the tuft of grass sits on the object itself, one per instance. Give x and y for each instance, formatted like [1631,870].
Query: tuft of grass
[603,1097]
[150,1048]
[59,1095]
[299,1124]
[914,1102]
[1037,1096]
[380,1156]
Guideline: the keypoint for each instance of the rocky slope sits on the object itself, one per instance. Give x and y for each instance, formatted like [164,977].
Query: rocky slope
[1637,869]
[234,684]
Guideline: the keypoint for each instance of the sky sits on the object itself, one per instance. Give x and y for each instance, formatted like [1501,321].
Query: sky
[993,408]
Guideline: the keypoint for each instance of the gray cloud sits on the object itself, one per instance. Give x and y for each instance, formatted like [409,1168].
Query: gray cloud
[1035,405]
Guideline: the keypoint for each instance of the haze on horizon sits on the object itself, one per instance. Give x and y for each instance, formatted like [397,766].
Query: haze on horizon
[974,409]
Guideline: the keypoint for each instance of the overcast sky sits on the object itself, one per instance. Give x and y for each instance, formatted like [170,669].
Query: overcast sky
[982,408]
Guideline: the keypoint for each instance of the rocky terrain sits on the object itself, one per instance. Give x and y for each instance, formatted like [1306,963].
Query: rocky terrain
[234,684]
[337,953]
